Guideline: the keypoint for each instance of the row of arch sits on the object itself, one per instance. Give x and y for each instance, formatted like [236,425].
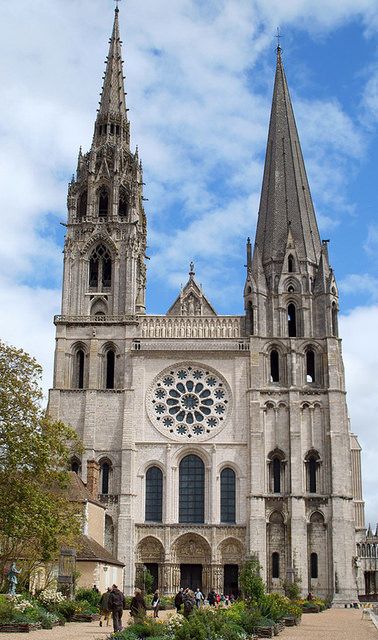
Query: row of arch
[103,203]
[277,464]
[312,364]
[191,493]
[293,324]
[80,366]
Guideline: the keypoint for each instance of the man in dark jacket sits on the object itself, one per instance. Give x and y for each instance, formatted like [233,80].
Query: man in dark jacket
[179,600]
[116,604]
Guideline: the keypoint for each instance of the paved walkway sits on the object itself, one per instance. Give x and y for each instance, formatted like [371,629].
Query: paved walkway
[334,624]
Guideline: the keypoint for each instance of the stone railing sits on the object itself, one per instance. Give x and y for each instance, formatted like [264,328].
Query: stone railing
[191,327]
[108,498]
[97,319]
[190,345]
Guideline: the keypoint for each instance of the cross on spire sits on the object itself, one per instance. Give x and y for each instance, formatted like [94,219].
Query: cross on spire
[117,3]
[278,36]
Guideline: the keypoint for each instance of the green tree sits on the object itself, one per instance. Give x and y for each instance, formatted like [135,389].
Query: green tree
[36,517]
[252,584]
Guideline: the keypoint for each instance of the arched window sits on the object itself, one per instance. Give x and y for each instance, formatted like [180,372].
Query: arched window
[192,490]
[291,320]
[275,565]
[228,495]
[104,477]
[103,203]
[123,203]
[290,264]
[276,462]
[312,462]
[335,331]
[82,205]
[274,366]
[310,365]
[154,495]
[100,268]
[110,369]
[79,369]
[250,318]
[314,565]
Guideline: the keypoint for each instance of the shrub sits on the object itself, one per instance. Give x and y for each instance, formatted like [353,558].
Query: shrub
[67,609]
[251,582]
[292,590]
[91,597]
[51,599]
[274,606]
[6,610]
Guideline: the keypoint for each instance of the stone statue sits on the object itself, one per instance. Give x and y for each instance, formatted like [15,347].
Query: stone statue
[12,579]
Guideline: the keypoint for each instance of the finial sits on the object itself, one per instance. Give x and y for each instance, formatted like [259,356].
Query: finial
[278,36]
[117,7]
[191,269]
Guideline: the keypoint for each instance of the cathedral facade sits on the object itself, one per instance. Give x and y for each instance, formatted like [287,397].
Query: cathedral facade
[214,437]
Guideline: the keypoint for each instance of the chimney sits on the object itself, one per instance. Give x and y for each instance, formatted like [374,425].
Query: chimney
[93,478]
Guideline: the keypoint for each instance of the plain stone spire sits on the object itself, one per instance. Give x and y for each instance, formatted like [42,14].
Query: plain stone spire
[285,197]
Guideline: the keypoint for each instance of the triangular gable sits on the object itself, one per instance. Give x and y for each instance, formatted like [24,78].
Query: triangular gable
[191,301]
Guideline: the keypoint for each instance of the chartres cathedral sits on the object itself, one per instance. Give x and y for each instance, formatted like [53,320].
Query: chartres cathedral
[209,438]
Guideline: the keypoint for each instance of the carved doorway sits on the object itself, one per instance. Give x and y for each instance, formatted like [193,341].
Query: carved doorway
[191,576]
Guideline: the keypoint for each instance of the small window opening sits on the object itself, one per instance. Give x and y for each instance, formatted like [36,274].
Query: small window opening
[290,264]
[110,367]
[112,129]
[117,129]
[314,565]
[105,472]
[103,203]
[310,366]
[291,289]
[276,475]
[275,565]
[312,464]
[291,321]
[334,320]
[82,205]
[123,204]
[75,466]
[107,271]
[93,271]
[274,366]
[80,368]
[250,318]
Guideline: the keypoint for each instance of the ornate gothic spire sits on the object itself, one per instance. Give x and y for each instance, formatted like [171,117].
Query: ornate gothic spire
[286,202]
[113,91]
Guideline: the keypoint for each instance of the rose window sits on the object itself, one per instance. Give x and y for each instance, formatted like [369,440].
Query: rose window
[189,401]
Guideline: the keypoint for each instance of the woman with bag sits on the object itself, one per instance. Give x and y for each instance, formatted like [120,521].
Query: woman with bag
[156,603]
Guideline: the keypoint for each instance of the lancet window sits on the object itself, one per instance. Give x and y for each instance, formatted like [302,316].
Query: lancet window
[103,203]
[82,205]
[274,366]
[192,490]
[275,564]
[154,495]
[123,203]
[105,470]
[292,320]
[110,369]
[310,365]
[228,495]
[100,268]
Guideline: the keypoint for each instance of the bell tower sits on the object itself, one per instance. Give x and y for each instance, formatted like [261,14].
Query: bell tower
[104,251]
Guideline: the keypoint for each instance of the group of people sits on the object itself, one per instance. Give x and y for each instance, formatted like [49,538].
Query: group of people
[113,602]
[188,599]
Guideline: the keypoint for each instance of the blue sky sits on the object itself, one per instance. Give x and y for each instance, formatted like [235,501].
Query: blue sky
[199,77]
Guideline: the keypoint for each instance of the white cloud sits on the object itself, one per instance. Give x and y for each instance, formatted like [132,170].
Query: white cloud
[357,283]
[360,348]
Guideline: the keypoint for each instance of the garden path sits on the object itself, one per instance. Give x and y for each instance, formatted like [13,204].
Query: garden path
[333,624]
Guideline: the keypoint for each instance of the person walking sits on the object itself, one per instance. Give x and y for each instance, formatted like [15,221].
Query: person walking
[116,604]
[179,600]
[138,606]
[156,603]
[199,597]
[212,598]
[104,607]
[188,601]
